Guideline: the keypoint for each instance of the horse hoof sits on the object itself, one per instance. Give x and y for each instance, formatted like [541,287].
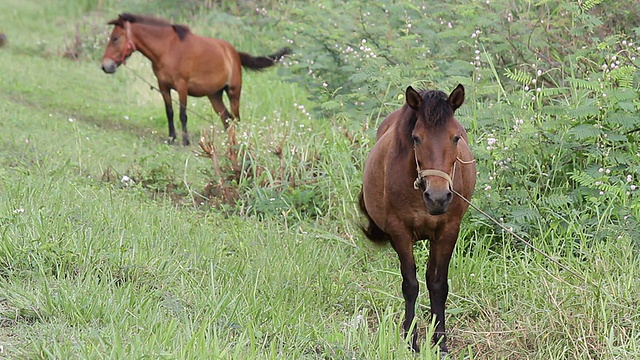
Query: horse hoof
[443,353]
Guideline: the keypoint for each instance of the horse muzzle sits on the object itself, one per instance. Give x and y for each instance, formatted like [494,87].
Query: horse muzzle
[437,201]
[436,198]
[109,66]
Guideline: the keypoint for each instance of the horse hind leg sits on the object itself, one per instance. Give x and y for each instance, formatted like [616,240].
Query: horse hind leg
[218,106]
[402,242]
[166,97]
[233,93]
[372,231]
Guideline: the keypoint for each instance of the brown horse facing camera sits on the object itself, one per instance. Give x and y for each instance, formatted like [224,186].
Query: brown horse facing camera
[419,161]
[185,62]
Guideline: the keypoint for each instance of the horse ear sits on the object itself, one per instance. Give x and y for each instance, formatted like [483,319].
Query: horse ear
[456,98]
[117,22]
[413,98]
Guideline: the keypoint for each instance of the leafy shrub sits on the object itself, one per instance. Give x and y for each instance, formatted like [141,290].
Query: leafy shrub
[567,151]
[551,109]
[553,93]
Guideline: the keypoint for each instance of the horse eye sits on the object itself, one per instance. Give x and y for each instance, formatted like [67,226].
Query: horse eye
[114,39]
[456,139]
[416,140]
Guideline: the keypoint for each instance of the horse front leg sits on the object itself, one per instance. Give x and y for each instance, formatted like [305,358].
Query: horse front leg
[166,96]
[440,252]
[410,288]
[182,95]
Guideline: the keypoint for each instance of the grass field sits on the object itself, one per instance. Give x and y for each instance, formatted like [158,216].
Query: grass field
[94,266]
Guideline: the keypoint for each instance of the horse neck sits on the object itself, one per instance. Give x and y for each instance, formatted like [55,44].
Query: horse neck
[150,40]
[464,151]
[402,152]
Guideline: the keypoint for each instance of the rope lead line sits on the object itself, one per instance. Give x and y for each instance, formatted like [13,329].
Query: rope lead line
[573,272]
[174,101]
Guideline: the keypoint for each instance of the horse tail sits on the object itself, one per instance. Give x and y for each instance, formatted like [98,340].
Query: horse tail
[261,62]
[371,231]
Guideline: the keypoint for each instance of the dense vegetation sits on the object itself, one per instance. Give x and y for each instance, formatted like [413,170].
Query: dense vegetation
[114,244]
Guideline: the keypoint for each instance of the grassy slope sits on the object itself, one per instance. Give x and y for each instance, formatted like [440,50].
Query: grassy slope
[92,269]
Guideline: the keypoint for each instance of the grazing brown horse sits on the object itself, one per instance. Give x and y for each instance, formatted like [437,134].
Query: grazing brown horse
[185,62]
[412,177]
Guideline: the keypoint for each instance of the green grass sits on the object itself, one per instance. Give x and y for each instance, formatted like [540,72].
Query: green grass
[91,267]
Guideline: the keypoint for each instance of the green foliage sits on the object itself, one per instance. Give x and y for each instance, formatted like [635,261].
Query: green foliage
[355,56]
[294,203]
[98,268]
[546,104]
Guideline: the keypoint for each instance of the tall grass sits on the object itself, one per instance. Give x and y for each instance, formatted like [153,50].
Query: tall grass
[104,253]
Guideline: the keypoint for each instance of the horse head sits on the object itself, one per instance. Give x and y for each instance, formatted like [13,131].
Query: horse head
[120,45]
[435,138]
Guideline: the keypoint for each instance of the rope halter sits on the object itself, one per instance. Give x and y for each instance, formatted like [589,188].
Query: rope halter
[432,172]
[129,49]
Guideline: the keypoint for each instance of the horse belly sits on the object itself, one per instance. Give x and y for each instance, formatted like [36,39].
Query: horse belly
[373,186]
[204,84]
[199,90]
[209,72]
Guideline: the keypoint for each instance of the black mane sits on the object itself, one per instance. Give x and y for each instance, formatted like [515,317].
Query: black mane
[436,107]
[143,19]
[181,30]
[435,111]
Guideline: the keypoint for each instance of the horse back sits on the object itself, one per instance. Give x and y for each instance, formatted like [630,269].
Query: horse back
[208,64]
[383,174]
[467,179]
[387,123]
[211,50]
